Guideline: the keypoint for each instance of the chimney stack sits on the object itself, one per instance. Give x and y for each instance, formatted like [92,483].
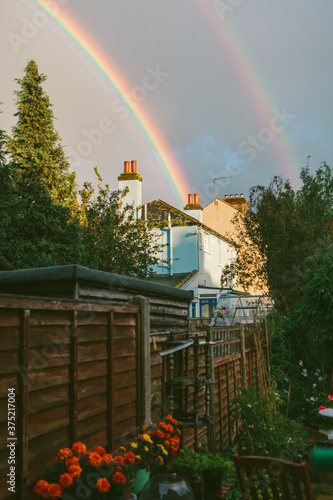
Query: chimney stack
[237,202]
[193,208]
[133,181]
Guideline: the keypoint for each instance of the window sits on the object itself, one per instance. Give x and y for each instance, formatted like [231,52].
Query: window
[207,307]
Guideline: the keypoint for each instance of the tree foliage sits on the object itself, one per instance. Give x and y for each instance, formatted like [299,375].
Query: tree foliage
[114,240]
[41,222]
[281,230]
[35,146]
[291,232]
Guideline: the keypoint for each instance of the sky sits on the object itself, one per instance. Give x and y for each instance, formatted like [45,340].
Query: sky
[209,96]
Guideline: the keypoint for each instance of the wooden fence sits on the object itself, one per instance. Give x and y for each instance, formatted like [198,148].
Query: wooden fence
[66,361]
[92,371]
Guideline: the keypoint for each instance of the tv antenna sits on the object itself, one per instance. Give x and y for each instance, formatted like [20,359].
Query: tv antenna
[217,179]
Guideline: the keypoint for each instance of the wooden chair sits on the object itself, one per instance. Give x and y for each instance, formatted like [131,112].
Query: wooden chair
[271,476]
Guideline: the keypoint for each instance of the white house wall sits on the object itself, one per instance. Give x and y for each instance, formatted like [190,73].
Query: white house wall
[214,255]
[193,248]
[184,252]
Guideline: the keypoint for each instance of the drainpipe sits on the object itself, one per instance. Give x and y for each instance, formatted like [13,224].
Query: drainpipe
[170,245]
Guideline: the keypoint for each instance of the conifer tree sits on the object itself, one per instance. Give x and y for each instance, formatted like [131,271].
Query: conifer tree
[35,146]
[37,229]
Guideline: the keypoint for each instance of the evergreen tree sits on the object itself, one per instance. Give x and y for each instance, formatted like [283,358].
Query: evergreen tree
[35,145]
[36,228]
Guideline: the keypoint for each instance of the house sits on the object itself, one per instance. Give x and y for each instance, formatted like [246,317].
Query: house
[193,254]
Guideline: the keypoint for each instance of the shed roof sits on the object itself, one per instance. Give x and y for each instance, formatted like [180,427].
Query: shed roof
[19,281]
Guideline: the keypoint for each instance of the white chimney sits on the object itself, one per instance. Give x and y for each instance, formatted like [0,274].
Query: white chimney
[193,207]
[133,181]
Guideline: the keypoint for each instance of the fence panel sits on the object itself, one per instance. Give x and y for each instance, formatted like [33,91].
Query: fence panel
[66,361]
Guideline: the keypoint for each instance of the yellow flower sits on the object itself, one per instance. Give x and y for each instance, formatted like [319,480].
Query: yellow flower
[121,448]
[147,438]
[146,448]
[138,457]
[163,449]
[134,445]
[160,460]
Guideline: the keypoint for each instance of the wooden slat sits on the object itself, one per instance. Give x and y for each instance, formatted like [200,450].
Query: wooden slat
[138,372]
[23,437]
[110,382]
[73,375]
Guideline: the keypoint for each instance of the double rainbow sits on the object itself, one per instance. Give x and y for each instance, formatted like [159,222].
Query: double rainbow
[103,69]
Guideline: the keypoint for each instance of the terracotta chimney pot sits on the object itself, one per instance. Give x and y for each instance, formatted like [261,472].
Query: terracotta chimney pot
[126,167]
[133,164]
[190,199]
[196,198]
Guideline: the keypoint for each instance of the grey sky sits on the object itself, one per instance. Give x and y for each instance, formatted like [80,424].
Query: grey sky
[248,91]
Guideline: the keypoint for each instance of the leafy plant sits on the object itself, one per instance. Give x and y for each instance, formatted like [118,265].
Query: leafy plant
[264,430]
[154,443]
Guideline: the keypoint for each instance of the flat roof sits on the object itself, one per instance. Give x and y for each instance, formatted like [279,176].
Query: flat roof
[78,273]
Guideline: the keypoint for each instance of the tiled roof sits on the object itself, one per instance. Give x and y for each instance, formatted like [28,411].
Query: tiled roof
[157,213]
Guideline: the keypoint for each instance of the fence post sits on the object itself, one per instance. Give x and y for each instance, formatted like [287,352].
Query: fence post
[211,431]
[145,378]
[243,355]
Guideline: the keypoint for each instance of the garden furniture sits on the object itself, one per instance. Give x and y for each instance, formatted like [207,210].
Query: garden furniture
[271,476]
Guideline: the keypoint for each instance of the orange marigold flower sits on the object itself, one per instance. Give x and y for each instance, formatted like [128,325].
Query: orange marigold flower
[74,470]
[103,485]
[118,469]
[100,450]
[175,439]
[42,488]
[144,427]
[94,459]
[54,491]
[119,478]
[73,461]
[140,437]
[167,435]
[107,458]
[129,457]
[157,433]
[65,480]
[79,447]
[166,443]
[172,420]
[119,460]
[64,453]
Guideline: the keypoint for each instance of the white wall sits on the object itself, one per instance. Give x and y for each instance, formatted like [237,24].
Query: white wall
[194,249]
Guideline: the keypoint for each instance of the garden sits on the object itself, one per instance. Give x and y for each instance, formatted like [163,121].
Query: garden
[263,429]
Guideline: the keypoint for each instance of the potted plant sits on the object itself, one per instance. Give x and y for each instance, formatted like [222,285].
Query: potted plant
[188,463]
[153,445]
[80,473]
[212,473]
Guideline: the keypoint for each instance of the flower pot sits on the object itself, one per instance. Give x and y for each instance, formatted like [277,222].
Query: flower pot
[212,483]
[141,478]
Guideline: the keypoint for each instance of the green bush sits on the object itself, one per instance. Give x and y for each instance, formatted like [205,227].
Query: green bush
[264,430]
